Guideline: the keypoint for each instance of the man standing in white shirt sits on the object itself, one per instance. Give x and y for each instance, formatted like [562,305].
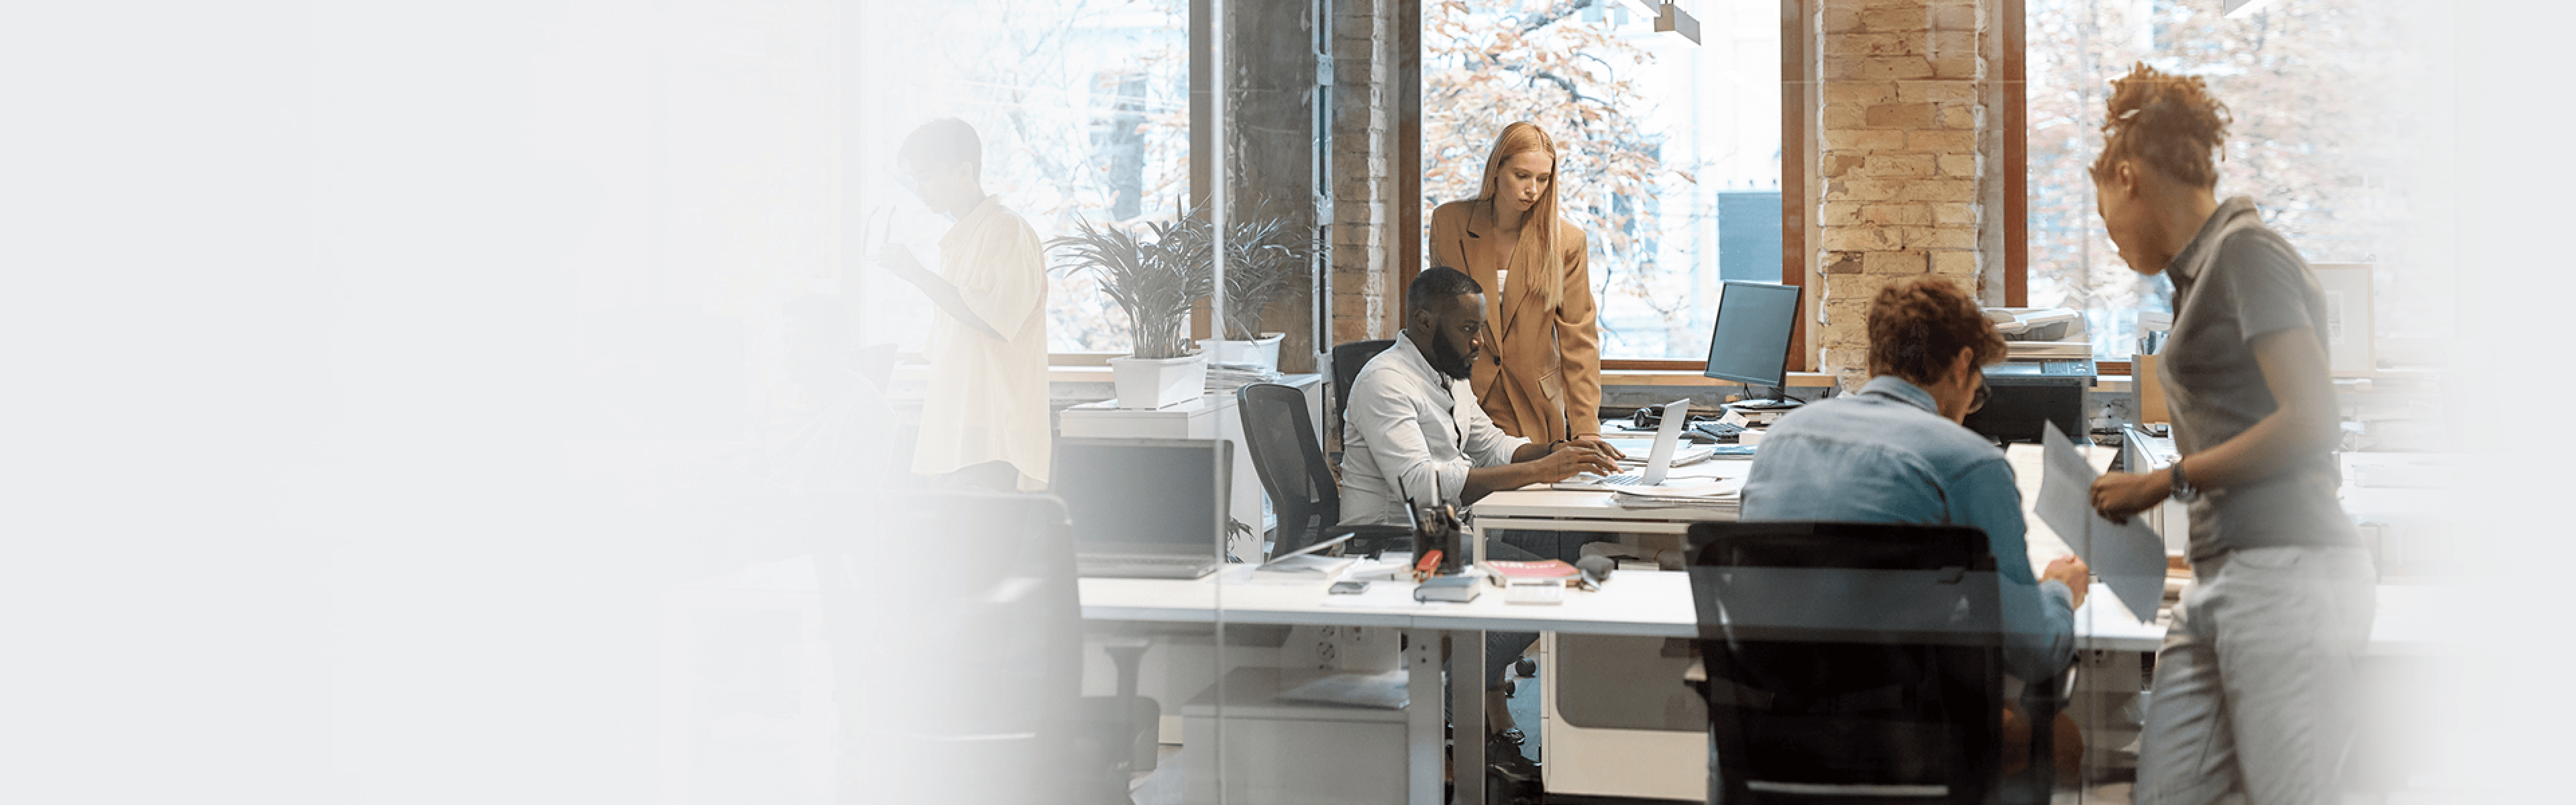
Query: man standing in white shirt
[984,416]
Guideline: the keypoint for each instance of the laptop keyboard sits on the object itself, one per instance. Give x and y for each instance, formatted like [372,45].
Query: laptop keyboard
[1621,479]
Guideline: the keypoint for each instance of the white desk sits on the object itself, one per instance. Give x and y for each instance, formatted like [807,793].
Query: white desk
[1641,604]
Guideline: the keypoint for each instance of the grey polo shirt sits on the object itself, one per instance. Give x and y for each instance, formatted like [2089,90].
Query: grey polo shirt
[2236,282]
[1411,431]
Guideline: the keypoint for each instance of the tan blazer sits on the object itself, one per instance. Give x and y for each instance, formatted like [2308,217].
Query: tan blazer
[1540,377]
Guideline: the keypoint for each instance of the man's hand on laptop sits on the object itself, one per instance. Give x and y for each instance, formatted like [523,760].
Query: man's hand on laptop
[1598,443]
[1574,457]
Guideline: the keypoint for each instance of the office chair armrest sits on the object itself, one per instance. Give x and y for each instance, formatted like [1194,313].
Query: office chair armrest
[2050,694]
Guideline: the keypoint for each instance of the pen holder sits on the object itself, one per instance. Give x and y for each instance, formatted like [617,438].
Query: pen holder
[1438,533]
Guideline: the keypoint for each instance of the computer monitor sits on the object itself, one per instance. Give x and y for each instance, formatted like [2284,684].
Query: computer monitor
[1750,344]
[1142,496]
[2024,395]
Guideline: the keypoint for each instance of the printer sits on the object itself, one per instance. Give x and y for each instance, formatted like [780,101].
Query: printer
[2046,376]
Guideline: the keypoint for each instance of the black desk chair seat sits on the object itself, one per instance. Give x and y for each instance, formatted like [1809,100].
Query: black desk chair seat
[1852,662]
[1290,460]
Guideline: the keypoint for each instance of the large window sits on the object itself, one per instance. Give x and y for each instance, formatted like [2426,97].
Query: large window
[2315,142]
[1669,151]
[1083,108]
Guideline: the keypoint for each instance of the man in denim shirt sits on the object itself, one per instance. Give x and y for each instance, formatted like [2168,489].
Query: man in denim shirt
[1896,453]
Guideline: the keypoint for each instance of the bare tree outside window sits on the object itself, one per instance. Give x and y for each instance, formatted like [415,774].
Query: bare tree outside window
[1084,109]
[2316,140]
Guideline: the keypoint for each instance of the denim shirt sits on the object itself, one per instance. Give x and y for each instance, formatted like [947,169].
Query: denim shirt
[1886,455]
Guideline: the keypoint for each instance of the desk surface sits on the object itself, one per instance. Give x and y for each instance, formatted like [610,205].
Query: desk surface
[1538,502]
[2412,618]
[1641,603]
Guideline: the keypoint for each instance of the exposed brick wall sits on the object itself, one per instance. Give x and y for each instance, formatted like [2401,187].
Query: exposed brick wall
[1900,122]
[1363,180]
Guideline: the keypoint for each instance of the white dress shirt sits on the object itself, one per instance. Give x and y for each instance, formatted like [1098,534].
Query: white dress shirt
[1411,431]
[987,398]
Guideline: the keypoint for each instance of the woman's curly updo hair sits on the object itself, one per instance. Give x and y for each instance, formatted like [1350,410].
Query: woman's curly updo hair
[2164,121]
[1918,326]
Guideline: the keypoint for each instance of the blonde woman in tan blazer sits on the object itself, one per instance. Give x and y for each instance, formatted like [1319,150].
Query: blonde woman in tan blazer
[1541,376]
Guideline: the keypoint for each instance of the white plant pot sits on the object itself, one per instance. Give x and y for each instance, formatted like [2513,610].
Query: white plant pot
[1262,352]
[1157,382]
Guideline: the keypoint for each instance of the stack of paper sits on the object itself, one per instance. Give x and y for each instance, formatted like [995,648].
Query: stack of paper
[1384,691]
[1304,568]
[2048,350]
[1720,494]
[1226,377]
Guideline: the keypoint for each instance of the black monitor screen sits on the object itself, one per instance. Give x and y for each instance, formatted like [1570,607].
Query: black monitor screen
[1144,492]
[1751,342]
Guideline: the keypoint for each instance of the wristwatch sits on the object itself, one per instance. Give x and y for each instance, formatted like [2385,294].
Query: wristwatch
[2182,488]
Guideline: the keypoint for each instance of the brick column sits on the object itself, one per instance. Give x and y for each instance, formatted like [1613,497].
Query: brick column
[1900,118]
[1363,181]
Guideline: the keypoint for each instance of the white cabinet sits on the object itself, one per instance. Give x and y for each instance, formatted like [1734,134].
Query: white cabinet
[1210,416]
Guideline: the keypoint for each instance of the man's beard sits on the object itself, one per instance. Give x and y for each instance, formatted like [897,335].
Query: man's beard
[1448,361]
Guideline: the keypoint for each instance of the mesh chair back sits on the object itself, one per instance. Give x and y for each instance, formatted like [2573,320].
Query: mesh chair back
[1290,459]
[1348,359]
[1848,654]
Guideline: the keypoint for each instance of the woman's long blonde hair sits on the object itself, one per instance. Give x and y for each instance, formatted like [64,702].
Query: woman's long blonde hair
[1540,221]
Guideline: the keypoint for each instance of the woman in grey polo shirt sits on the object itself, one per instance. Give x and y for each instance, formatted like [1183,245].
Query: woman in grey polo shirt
[2254,685]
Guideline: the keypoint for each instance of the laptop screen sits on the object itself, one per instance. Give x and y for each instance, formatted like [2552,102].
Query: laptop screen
[1145,495]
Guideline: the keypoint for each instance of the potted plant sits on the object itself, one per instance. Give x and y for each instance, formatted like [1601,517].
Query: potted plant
[1262,262]
[1154,280]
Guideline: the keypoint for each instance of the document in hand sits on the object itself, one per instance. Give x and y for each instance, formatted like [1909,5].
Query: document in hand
[2127,556]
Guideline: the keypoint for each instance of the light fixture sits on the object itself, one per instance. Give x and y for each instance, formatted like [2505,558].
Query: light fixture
[1669,16]
[2239,8]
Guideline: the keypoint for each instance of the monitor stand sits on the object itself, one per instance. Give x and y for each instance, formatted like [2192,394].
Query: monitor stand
[1781,401]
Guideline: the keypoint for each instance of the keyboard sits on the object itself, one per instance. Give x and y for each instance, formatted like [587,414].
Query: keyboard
[1144,566]
[1720,431]
[1621,479]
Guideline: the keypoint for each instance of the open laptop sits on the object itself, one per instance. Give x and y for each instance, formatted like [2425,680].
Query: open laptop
[1668,439]
[1145,508]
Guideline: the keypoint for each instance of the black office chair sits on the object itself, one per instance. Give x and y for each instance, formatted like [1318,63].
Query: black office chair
[1856,662]
[1348,360]
[968,660]
[1290,459]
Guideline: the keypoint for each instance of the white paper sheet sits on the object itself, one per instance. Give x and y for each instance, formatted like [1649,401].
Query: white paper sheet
[2128,557]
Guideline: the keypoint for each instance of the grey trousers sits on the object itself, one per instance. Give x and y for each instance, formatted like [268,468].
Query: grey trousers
[2255,687]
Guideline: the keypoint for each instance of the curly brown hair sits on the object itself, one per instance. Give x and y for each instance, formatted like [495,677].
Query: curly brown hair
[2167,122]
[1916,327]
